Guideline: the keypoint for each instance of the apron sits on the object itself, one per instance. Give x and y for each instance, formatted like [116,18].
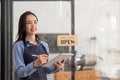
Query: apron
[40,73]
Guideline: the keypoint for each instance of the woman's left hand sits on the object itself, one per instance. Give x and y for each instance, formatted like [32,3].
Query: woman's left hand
[59,65]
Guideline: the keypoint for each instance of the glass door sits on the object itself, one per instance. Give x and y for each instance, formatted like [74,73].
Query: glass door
[54,18]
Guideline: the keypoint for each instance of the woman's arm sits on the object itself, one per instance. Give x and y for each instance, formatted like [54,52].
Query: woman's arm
[54,68]
[22,70]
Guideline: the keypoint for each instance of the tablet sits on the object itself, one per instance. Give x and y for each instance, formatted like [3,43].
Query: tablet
[60,57]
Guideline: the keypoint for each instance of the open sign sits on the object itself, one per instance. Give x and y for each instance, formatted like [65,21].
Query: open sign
[67,40]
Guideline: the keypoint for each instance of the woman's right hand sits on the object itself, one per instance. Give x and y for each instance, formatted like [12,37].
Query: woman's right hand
[42,59]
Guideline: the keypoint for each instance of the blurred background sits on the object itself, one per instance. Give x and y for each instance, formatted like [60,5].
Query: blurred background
[95,22]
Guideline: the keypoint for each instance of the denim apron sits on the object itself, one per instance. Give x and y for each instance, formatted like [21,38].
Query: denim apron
[40,73]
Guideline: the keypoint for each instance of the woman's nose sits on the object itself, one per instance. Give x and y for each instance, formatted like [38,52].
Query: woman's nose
[33,24]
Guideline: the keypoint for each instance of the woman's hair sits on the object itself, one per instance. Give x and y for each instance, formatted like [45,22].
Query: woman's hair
[22,25]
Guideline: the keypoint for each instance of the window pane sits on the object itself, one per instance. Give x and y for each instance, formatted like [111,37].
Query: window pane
[99,22]
[54,18]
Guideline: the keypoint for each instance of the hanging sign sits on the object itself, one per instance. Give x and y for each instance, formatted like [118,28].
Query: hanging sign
[67,40]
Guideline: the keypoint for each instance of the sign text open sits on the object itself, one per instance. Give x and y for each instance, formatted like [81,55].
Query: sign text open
[67,40]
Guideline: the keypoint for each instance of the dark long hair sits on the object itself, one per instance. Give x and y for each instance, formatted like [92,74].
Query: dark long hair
[22,25]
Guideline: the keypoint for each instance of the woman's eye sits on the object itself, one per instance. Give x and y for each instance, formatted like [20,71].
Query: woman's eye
[35,22]
[28,23]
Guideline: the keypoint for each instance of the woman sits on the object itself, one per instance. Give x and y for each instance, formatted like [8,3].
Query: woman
[30,53]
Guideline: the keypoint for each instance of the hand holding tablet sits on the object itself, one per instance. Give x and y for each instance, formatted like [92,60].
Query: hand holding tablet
[61,57]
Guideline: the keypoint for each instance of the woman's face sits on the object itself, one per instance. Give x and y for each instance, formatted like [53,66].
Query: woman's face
[31,25]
